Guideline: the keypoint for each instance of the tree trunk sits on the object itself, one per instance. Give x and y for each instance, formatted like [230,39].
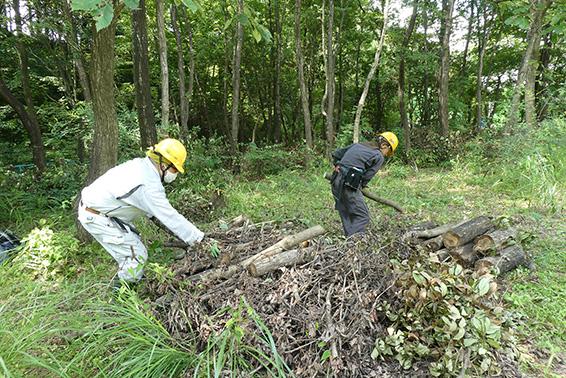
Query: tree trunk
[540,84]
[482,43]
[468,36]
[530,81]
[464,254]
[401,81]
[183,129]
[236,79]
[425,120]
[538,10]
[29,123]
[361,102]
[225,77]
[330,81]
[432,245]
[163,61]
[300,67]
[466,232]
[281,259]
[76,51]
[507,260]
[445,31]
[494,241]
[277,78]
[104,151]
[192,72]
[146,120]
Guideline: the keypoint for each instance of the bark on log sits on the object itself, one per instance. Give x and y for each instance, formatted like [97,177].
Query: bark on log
[372,196]
[466,232]
[464,254]
[442,255]
[432,245]
[495,240]
[422,226]
[284,258]
[284,244]
[433,232]
[238,221]
[509,258]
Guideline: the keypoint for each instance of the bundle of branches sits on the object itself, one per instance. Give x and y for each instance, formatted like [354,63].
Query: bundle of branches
[322,311]
[472,243]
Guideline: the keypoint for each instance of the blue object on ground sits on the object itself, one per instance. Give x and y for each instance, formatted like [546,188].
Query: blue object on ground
[8,242]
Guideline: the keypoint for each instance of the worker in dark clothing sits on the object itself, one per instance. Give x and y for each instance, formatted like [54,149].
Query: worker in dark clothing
[354,167]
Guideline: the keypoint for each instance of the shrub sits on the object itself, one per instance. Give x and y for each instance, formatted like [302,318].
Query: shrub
[45,253]
[445,315]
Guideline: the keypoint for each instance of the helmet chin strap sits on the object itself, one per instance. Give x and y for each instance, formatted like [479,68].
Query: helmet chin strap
[162,174]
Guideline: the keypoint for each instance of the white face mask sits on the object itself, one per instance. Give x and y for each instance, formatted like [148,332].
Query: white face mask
[169,177]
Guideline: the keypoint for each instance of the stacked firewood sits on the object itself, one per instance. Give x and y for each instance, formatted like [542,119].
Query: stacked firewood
[472,243]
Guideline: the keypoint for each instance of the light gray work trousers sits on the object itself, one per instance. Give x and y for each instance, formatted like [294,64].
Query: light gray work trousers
[125,246]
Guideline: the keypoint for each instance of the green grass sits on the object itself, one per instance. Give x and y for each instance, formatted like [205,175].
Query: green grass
[60,327]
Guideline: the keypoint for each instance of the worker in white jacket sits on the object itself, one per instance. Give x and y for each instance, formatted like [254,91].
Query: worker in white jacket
[110,204]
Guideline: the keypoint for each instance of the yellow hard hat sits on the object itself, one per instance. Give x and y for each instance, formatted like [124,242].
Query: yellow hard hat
[392,140]
[172,150]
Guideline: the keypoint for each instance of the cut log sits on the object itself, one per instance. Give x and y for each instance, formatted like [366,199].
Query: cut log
[289,241]
[238,221]
[433,244]
[466,232]
[508,259]
[433,232]
[284,244]
[464,254]
[496,240]
[422,226]
[442,255]
[281,259]
[372,196]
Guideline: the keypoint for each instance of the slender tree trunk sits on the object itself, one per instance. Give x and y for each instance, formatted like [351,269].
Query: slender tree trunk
[183,128]
[540,85]
[482,43]
[445,31]
[76,51]
[24,66]
[538,10]
[468,36]
[104,151]
[163,61]
[277,78]
[371,73]
[225,76]
[192,72]
[300,67]
[330,84]
[339,48]
[325,59]
[401,83]
[146,120]
[29,123]
[530,81]
[425,120]
[236,79]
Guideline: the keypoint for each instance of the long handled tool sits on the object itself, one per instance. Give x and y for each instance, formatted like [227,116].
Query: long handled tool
[372,196]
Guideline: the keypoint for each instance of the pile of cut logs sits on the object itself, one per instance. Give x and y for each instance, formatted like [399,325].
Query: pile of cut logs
[472,243]
[291,250]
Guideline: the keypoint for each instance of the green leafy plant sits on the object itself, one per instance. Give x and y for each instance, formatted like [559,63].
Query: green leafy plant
[45,253]
[445,315]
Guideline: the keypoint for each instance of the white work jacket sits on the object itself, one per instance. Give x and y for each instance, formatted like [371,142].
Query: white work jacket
[132,189]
